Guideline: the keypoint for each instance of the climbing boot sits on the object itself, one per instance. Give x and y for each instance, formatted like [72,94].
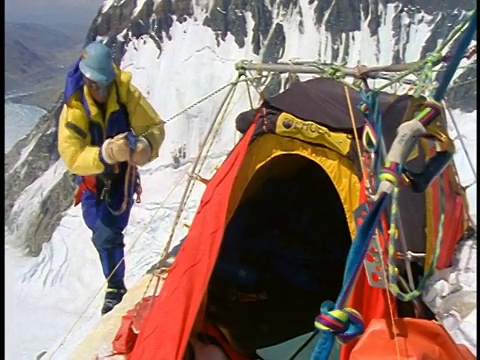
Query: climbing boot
[112,298]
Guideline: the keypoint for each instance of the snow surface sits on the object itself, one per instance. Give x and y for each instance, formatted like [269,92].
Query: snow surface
[30,200]
[24,153]
[139,6]
[452,293]
[467,124]
[19,120]
[53,300]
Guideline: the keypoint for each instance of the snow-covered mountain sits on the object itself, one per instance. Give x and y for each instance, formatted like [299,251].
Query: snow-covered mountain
[23,119]
[180,51]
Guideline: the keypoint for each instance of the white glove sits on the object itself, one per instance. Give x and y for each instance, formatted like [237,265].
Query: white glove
[116,149]
[142,152]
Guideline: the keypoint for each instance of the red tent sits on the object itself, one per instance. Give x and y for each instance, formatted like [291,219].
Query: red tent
[180,305]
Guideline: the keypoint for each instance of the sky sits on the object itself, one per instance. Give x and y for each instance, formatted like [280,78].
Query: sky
[46,12]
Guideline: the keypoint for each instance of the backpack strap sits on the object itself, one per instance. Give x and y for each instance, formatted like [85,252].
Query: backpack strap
[74,80]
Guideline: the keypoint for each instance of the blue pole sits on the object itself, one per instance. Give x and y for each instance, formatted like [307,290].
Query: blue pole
[353,265]
[456,58]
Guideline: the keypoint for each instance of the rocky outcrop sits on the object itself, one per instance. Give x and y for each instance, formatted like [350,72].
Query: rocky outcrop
[27,161]
[339,17]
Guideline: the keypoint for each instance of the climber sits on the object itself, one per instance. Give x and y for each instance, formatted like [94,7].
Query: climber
[105,130]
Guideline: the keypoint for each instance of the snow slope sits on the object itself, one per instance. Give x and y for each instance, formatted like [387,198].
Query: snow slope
[19,120]
[52,301]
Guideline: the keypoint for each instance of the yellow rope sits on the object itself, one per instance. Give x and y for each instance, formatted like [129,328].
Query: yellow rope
[250,101]
[188,189]
[390,306]
[249,95]
[208,145]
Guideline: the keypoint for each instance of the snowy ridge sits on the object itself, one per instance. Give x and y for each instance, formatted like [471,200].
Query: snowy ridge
[467,125]
[28,203]
[24,153]
[66,281]
[107,3]
[21,119]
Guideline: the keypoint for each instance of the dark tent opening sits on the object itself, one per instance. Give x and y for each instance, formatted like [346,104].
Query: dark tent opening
[282,255]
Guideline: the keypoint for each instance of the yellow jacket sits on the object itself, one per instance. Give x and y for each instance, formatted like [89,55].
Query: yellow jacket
[74,139]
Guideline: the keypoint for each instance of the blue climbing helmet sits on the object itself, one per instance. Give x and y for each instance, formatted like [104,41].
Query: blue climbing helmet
[97,63]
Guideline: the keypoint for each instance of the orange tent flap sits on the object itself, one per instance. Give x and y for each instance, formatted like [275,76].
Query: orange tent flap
[167,326]
[415,339]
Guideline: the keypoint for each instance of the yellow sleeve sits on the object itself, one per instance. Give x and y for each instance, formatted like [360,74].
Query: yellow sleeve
[73,143]
[144,119]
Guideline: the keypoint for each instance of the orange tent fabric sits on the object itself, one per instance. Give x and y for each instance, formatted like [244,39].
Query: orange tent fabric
[416,339]
[455,220]
[166,330]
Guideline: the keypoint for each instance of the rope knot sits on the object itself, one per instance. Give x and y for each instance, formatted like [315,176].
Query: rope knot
[335,72]
[363,107]
[346,324]
[433,58]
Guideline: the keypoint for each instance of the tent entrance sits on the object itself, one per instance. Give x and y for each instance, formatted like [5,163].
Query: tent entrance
[282,254]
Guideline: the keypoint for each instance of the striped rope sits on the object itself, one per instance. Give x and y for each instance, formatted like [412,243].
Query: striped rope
[369,138]
[346,323]
[392,173]
[431,110]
